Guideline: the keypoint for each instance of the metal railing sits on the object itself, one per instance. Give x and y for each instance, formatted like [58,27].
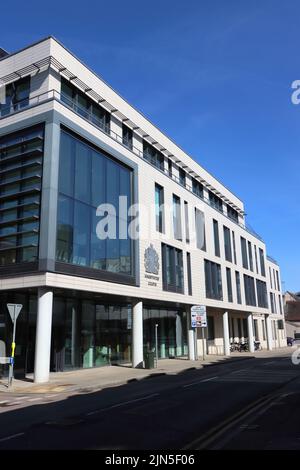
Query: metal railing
[104,127]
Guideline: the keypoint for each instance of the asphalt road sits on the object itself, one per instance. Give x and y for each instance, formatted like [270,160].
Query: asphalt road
[215,407]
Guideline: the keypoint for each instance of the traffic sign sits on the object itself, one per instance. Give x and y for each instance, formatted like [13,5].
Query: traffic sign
[14,311]
[198,316]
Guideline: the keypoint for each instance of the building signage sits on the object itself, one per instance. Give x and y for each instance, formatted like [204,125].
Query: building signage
[151,263]
[198,316]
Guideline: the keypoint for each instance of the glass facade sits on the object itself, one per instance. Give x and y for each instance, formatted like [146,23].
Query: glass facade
[25,331]
[87,334]
[87,179]
[171,331]
[21,158]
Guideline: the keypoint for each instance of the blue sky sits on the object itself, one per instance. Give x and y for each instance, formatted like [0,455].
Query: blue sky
[214,75]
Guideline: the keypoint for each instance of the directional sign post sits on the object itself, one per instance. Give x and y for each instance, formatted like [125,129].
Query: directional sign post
[14,311]
[199,320]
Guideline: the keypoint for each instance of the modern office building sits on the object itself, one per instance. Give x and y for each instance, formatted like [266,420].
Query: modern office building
[110,232]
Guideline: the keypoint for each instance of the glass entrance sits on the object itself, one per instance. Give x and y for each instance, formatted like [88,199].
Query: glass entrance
[87,334]
[171,331]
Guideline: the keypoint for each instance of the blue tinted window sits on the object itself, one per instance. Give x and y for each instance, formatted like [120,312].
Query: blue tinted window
[91,179]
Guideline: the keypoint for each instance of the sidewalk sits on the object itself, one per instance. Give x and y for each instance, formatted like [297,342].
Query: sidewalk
[86,380]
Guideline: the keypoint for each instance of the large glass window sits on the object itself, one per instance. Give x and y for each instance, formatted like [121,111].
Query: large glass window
[250,256]
[127,136]
[159,201]
[154,156]
[182,176]
[249,290]
[215,201]
[172,268]
[234,248]
[277,279]
[244,252]
[232,213]
[187,226]
[177,218]
[256,262]
[189,273]
[216,237]
[171,331]
[21,156]
[262,262]
[213,280]
[84,175]
[227,244]
[262,296]
[238,287]
[229,284]
[86,333]
[197,188]
[200,229]
[85,106]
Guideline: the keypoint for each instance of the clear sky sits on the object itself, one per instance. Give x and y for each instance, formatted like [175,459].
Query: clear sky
[214,75]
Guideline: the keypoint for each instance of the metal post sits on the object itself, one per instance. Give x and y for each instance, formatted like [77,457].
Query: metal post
[156,344]
[13,345]
[203,344]
[195,342]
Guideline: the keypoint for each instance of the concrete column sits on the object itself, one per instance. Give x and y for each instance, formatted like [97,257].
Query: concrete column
[191,342]
[191,337]
[226,340]
[269,332]
[250,332]
[43,335]
[137,335]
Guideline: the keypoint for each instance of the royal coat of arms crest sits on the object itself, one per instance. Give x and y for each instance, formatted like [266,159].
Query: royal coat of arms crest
[151,260]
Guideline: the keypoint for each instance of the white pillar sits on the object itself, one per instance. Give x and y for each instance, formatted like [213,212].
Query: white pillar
[191,337]
[43,335]
[191,341]
[226,340]
[137,335]
[269,332]
[250,332]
